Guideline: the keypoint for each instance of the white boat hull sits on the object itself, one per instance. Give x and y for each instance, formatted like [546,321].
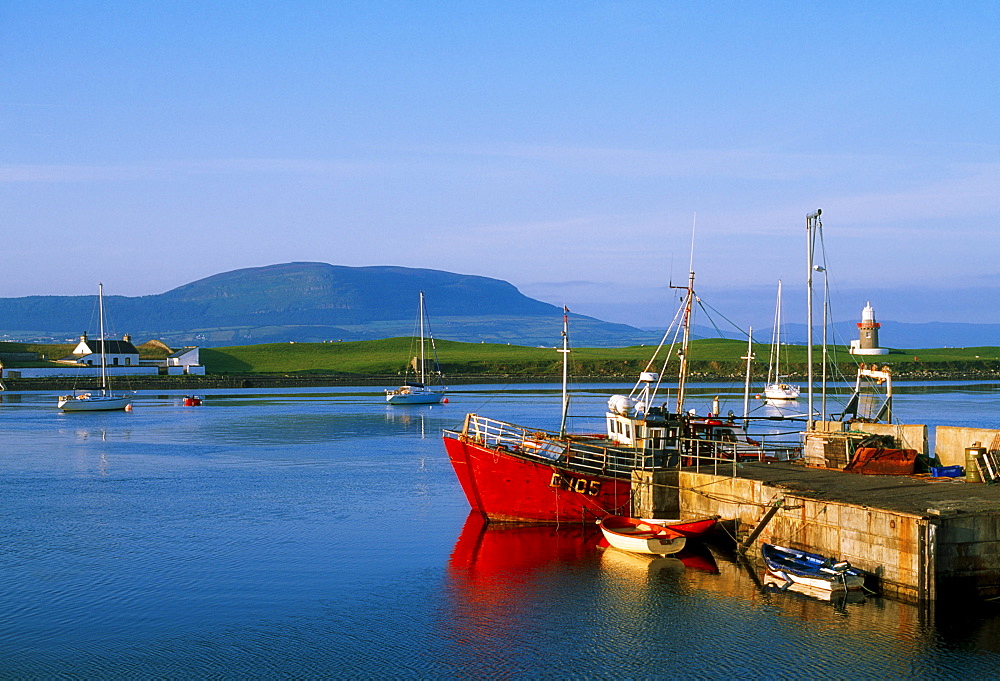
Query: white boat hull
[782,392]
[835,582]
[414,397]
[95,403]
[656,547]
[645,541]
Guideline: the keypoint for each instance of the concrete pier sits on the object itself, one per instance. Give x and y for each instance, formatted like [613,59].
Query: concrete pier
[919,537]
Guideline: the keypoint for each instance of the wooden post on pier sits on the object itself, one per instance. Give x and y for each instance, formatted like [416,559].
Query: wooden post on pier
[775,507]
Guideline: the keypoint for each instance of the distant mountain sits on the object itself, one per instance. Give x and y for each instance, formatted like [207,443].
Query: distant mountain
[312,302]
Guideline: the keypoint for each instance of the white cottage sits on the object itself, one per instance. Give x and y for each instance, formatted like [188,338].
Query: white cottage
[117,353]
[185,361]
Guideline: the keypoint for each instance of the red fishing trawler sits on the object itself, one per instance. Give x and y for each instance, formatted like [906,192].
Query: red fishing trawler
[513,473]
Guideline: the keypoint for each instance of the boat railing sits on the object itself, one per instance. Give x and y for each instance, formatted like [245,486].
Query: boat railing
[596,454]
[723,457]
[587,454]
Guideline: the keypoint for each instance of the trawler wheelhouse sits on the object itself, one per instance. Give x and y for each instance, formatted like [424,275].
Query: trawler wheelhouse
[654,430]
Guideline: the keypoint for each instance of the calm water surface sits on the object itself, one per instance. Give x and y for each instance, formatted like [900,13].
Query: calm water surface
[309,533]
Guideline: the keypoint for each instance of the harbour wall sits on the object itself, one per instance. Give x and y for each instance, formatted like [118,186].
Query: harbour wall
[907,436]
[950,442]
[948,548]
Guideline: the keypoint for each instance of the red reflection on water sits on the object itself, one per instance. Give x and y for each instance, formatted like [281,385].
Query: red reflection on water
[485,552]
[511,584]
[487,556]
[504,580]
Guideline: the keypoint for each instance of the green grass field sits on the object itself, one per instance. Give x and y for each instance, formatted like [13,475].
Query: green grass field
[390,356]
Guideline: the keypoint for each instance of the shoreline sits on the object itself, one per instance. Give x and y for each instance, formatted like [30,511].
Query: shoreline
[195,383]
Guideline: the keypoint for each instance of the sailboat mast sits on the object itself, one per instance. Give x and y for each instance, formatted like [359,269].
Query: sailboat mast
[746,383]
[100,311]
[812,225]
[421,315]
[826,323]
[682,377]
[565,372]
[774,370]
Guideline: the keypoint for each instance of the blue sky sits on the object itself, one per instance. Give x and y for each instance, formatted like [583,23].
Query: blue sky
[566,147]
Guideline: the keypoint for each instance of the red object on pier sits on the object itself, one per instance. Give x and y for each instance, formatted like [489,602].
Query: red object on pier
[879,461]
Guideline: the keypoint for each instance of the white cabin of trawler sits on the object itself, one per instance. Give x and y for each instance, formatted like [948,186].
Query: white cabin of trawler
[636,423]
[116,352]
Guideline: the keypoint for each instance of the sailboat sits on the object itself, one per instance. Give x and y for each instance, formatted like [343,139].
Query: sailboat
[418,392]
[775,388]
[105,400]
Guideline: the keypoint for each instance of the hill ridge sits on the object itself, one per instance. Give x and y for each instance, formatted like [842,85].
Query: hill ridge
[314,301]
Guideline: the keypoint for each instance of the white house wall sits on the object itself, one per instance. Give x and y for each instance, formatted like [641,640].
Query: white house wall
[82,371]
[186,359]
[123,360]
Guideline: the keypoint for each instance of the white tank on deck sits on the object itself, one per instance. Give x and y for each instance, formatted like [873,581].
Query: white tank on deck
[649,377]
[621,404]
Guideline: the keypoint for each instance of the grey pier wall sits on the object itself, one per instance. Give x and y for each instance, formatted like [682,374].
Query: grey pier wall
[920,540]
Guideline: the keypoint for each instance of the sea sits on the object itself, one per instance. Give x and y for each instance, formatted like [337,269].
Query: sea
[321,533]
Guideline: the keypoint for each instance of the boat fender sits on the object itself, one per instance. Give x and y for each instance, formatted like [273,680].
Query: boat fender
[128,407]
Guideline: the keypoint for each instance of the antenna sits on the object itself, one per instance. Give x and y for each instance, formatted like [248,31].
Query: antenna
[694,225]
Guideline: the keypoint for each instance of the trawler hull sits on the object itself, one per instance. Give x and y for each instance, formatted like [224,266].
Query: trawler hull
[506,487]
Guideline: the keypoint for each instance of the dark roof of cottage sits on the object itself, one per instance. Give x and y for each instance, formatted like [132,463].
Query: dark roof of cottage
[112,347]
[183,351]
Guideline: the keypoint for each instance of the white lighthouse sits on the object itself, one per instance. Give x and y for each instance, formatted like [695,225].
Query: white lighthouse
[867,342]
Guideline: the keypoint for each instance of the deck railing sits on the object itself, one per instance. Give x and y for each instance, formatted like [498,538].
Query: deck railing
[595,455]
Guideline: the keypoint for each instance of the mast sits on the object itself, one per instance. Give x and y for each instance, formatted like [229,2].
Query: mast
[421,315]
[813,225]
[682,377]
[746,383]
[565,372]
[774,366]
[104,365]
[826,323]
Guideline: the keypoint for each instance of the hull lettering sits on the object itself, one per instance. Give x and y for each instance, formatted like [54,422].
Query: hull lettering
[579,485]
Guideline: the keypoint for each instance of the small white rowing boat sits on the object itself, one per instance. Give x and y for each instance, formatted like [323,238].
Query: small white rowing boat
[641,536]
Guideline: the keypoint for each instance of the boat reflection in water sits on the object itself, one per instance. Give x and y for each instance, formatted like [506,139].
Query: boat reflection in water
[502,572]
[489,554]
[839,598]
[506,582]
[694,556]
[638,566]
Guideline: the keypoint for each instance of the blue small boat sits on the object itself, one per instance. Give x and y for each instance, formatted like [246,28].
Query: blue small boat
[810,569]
